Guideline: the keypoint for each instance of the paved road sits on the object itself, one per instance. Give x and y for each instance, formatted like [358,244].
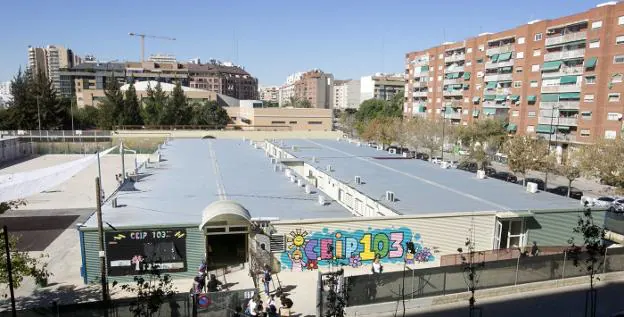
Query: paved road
[35,233]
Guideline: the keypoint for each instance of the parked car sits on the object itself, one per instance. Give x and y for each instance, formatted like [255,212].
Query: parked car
[422,156]
[505,176]
[436,160]
[540,183]
[489,171]
[575,193]
[603,201]
[617,206]
[468,166]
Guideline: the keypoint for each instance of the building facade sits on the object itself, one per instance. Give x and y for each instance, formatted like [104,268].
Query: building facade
[559,79]
[5,93]
[51,60]
[252,115]
[315,86]
[346,94]
[381,86]
[223,78]
[270,94]
[87,81]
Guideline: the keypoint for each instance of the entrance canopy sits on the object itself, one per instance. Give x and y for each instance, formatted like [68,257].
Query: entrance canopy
[224,212]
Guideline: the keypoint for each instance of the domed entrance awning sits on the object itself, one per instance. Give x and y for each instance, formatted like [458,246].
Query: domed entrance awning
[225,213]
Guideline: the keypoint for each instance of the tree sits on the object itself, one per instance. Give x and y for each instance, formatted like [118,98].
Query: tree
[23,108]
[86,117]
[292,101]
[51,112]
[111,107]
[569,169]
[348,123]
[154,105]
[430,135]
[484,139]
[210,113]
[22,264]
[152,290]
[381,130]
[523,154]
[177,110]
[588,255]
[131,114]
[470,266]
[304,103]
[604,160]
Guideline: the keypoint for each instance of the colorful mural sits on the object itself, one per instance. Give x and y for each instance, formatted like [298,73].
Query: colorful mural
[308,251]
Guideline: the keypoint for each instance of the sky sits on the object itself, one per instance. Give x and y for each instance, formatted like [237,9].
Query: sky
[271,39]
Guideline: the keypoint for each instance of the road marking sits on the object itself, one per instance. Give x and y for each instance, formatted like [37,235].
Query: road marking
[432,183]
[217,172]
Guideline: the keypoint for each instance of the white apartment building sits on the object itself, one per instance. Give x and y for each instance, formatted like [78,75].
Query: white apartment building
[287,90]
[162,58]
[381,86]
[346,94]
[51,60]
[270,93]
[5,93]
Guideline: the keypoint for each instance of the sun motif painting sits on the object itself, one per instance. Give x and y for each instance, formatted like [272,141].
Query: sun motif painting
[296,239]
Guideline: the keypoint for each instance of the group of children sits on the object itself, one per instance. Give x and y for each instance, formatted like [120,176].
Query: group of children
[255,307]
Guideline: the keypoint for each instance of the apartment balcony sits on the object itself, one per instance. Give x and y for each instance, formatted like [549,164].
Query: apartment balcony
[421,62]
[453,93]
[454,69]
[453,103]
[564,71]
[497,91]
[453,81]
[498,77]
[500,49]
[571,54]
[419,84]
[564,121]
[493,104]
[454,58]
[561,88]
[562,39]
[421,74]
[419,94]
[570,105]
[452,115]
[490,65]
[558,136]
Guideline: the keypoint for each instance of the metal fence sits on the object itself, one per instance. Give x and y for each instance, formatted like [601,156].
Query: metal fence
[221,304]
[444,280]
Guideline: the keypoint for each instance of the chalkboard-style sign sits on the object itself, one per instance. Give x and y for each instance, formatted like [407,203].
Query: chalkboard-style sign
[133,252]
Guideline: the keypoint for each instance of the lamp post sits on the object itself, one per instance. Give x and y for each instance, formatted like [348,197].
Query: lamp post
[443,128]
[552,118]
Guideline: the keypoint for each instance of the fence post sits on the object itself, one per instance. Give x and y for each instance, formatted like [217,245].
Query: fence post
[517,268]
[444,285]
[565,256]
[604,263]
[412,284]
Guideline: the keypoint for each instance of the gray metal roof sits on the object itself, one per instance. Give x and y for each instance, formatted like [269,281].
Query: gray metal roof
[177,190]
[420,187]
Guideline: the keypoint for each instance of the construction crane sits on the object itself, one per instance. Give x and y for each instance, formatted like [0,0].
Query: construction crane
[143,36]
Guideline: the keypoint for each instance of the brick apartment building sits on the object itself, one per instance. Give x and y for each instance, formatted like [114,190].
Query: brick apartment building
[559,79]
[315,86]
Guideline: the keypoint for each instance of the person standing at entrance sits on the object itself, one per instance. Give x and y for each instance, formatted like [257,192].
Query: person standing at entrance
[377,269]
[266,278]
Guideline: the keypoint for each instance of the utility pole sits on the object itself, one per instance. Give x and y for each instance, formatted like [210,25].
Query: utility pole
[102,253]
[9,265]
[71,111]
[123,162]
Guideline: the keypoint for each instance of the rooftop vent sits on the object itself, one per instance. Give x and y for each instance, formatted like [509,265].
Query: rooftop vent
[481,174]
[359,144]
[337,139]
[328,168]
[275,168]
[531,187]
[300,182]
[308,189]
[293,179]
[114,203]
[390,196]
[314,160]
[294,148]
[321,200]
[610,3]
[358,180]
[533,21]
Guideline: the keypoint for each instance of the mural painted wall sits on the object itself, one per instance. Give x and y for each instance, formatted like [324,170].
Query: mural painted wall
[309,250]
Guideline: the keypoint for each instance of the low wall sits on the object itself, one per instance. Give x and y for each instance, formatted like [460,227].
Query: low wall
[227,134]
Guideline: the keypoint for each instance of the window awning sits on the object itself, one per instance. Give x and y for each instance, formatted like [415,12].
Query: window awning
[500,98]
[476,99]
[512,127]
[545,128]
[422,108]
[467,76]
[424,68]
[475,113]
[554,65]
[489,111]
[531,98]
[490,85]
[494,58]
[489,97]
[570,95]
[591,62]
[452,75]
[514,98]
[566,80]
[550,97]
[504,57]
[563,128]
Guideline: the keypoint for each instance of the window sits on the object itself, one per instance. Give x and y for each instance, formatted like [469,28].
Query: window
[596,25]
[515,113]
[537,37]
[586,115]
[292,122]
[535,68]
[466,99]
[469,50]
[440,67]
[619,40]
[610,134]
[614,97]
[530,128]
[520,55]
[480,61]
[537,52]
[278,122]
[518,69]
[534,83]
[438,111]
[531,114]
[621,20]
[430,78]
[481,48]
[478,86]
[617,78]
[521,40]
[517,84]
[584,132]
[430,89]
[441,56]
[613,116]
[590,80]
[439,78]
[618,59]
[315,122]
[594,44]
[468,63]
[588,98]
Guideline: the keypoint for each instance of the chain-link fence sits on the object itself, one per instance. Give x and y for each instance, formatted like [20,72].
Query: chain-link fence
[221,304]
[366,289]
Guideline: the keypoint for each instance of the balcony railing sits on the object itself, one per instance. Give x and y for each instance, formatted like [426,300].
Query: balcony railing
[565,121]
[453,81]
[561,39]
[498,91]
[575,104]
[561,88]
[555,56]
[419,93]
[453,93]
[451,115]
[453,103]
[560,137]
[498,77]
[564,71]
[421,62]
[421,74]
[508,63]
[454,69]
[500,49]
[419,84]
[454,58]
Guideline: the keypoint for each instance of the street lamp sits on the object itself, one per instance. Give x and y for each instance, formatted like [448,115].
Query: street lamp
[552,118]
[443,128]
